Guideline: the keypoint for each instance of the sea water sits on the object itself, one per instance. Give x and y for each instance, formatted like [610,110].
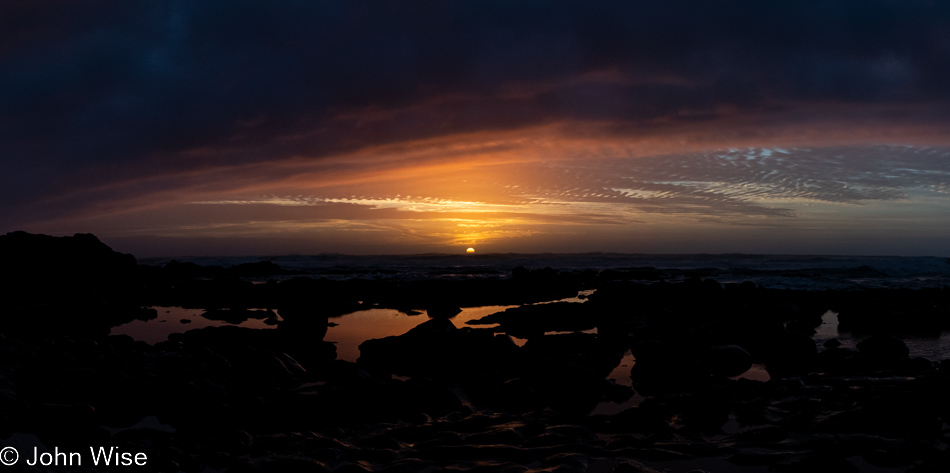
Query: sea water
[772,271]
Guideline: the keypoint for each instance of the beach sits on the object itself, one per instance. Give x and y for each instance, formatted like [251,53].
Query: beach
[445,364]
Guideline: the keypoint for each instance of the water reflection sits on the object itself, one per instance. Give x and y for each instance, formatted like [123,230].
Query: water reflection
[829,330]
[620,375]
[355,328]
[178,320]
[932,347]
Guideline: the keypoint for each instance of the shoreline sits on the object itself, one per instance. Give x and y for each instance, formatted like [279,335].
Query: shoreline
[450,397]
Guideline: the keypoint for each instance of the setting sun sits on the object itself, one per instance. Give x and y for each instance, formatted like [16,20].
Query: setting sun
[470,250]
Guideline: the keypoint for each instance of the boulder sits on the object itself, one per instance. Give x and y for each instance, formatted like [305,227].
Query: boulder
[665,366]
[883,347]
[833,343]
[792,353]
[445,310]
[727,360]
[529,321]
[49,269]
[435,347]
[577,347]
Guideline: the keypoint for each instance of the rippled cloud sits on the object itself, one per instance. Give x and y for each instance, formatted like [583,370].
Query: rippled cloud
[726,184]
[758,181]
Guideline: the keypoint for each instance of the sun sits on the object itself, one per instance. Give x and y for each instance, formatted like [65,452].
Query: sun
[470,251]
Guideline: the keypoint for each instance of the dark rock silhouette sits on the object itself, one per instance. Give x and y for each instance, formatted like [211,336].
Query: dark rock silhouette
[727,360]
[529,321]
[833,343]
[792,353]
[444,398]
[883,347]
[436,348]
[47,269]
[443,310]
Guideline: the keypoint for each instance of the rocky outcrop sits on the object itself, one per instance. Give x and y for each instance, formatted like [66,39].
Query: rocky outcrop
[47,269]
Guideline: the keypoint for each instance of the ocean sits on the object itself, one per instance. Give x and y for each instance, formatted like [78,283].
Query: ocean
[772,271]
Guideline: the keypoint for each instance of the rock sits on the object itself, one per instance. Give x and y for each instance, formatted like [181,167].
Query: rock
[258,355]
[638,420]
[505,342]
[497,436]
[355,467]
[818,464]
[436,348]
[572,389]
[727,360]
[577,347]
[792,353]
[176,270]
[618,393]
[836,360]
[76,282]
[236,316]
[517,395]
[459,453]
[567,462]
[430,327]
[420,395]
[833,343]
[529,321]
[302,326]
[631,466]
[260,268]
[66,425]
[755,458]
[883,347]
[72,264]
[282,463]
[893,416]
[665,366]
[803,327]
[443,310]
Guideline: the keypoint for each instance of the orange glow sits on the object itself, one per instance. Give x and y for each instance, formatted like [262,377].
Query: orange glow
[559,187]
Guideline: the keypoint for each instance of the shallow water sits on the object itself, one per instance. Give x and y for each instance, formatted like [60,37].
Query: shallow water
[169,321]
[621,376]
[356,327]
[828,330]
[933,348]
[349,332]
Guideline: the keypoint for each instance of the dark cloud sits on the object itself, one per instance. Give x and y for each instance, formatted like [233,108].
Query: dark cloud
[102,91]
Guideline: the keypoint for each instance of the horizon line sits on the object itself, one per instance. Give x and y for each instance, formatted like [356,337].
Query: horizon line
[545,254]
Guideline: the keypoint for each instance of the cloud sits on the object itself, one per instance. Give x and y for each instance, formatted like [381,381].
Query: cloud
[111,105]
[730,186]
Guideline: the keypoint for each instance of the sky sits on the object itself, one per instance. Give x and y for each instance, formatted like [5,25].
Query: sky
[244,127]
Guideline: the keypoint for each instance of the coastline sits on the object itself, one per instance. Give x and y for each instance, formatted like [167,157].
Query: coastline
[447,396]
